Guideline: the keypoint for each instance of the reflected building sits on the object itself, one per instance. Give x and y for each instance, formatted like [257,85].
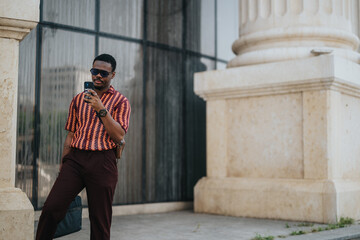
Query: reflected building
[60,85]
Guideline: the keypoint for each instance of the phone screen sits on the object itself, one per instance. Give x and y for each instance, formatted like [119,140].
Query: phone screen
[87,86]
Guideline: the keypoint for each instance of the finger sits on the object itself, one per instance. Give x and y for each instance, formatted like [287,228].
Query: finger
[87,96]
[92,92]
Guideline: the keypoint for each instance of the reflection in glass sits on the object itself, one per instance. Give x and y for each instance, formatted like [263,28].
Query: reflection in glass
[129,81]
[200,26]
[165,171]
[122,17]
[164,22]
[220,65]
[227,28]
[66,60]
[79,13]
[25,119]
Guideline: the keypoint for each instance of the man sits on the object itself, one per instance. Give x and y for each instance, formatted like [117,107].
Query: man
[97,121]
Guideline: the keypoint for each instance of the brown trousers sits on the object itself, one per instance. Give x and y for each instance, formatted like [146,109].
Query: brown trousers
[97,172]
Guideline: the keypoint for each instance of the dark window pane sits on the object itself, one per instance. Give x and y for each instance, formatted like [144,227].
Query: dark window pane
[66,60]
[129,81]
[164,126]
[195,125]
[227,28]
[79,13]
[200,26]
[122,17]
[25,122]
[164,22]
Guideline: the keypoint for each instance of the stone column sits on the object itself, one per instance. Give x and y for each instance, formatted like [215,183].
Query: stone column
[17,18]
[280,30]
[283,132]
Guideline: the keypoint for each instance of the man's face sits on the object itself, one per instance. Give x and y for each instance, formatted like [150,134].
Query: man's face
[100,82]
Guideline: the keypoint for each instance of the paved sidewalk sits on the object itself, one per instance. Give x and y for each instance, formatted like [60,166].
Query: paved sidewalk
[187,225]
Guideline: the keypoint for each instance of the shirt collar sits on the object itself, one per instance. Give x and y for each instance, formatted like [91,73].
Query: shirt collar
[110,90]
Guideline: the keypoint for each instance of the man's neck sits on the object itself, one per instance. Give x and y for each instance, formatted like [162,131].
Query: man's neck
[100,92]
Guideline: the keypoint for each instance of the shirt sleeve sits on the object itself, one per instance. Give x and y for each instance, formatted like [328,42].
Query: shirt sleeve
[71,120]
[122,114]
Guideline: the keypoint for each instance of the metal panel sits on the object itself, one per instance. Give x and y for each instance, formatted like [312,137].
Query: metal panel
[164,126]
[25,121]
[165,22]
[79,13]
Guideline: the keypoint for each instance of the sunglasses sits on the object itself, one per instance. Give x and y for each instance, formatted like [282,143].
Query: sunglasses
[103,73]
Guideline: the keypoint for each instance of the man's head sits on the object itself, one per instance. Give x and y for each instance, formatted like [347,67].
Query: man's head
[103,71]
[106,58]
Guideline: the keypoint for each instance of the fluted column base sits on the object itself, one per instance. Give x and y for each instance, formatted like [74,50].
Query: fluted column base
[280,30]
[290,53]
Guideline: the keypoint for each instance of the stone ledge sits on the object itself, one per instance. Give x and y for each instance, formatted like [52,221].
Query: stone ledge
[16,215]
[323,73]
[14,198]
[15,28]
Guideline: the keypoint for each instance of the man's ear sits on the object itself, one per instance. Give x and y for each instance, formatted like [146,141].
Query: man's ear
[114,73]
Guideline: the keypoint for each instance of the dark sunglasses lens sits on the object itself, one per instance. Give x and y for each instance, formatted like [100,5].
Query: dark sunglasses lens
[104,73]
[95,72]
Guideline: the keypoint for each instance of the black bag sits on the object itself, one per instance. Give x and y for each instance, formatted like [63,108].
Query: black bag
[72,221]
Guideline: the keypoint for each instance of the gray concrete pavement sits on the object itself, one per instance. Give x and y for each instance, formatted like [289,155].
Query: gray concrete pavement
[187,225]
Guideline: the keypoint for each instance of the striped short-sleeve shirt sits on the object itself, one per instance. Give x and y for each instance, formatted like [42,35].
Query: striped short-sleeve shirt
[89,132]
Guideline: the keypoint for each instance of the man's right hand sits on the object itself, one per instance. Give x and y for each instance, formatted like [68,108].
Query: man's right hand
[66,148]
[61,163]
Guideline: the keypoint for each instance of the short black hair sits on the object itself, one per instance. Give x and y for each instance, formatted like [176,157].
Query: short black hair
[107,58]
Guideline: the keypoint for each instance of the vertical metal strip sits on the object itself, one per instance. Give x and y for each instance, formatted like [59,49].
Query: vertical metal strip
[145,76]
[183,165]
[97,26]
[41,12]
[36,152]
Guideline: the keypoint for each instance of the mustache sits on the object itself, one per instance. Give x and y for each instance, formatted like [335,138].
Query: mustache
[98,79]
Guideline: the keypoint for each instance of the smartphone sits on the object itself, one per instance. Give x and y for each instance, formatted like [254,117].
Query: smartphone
[87,86]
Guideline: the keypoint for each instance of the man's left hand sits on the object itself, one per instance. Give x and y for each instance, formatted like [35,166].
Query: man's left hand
[93,100]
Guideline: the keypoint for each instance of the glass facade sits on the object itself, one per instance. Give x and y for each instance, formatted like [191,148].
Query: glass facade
[158,45]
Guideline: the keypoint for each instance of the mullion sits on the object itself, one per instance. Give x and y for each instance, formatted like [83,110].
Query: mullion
[145,76]
[97,26]
[37,122]
[183,179]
